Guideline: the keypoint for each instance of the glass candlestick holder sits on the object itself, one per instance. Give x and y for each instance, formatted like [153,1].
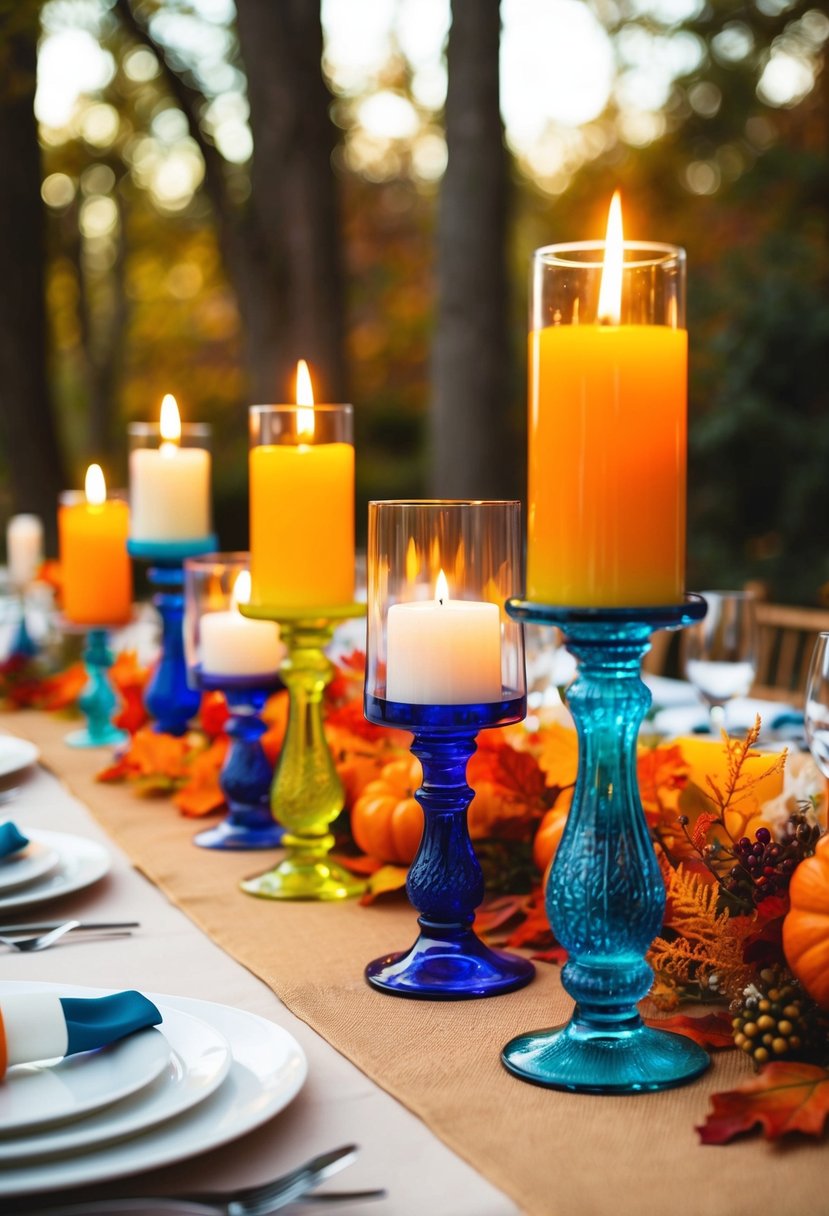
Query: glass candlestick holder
[98,700]
[444,661]
[239,658]
[169,466]
[605,896]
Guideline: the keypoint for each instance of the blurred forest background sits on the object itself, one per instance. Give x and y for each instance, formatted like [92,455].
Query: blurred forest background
[201,192]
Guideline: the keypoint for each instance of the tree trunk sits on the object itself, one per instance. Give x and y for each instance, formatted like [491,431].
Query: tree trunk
[470,407]
[27,428]
[294,189]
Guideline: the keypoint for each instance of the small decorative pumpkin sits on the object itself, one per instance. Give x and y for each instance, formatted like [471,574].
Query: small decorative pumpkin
[806,927]
[547,837]
[386,819]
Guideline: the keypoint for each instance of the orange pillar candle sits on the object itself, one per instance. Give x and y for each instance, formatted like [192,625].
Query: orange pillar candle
[607,424]
[96,574]
[302,503]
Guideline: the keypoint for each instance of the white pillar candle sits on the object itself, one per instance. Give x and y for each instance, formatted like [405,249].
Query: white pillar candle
[24,548]
[443,652]
[169,486]
[232,645]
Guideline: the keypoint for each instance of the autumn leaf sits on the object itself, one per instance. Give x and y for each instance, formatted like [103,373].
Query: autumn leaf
[786,1097]
[362,865]
[156,759]
[495,914]
[710,1030]
[663,775]
[385,881]
[213,713]
[202,793]
[558,755]
[130,680]
[62,690]
[275,717]
[556,955]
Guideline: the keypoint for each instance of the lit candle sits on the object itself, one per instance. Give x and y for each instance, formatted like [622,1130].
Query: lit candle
[302,514]
[96,575]
[233,646]
[443,652]
[24,548]
[607,450]
[170,485]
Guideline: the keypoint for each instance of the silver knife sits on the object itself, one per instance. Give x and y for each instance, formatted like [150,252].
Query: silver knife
[43,926]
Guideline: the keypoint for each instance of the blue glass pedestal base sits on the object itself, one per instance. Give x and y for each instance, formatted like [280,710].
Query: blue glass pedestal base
[583,1059]
[448,961]
[449,966]
[246,776]
[605,895]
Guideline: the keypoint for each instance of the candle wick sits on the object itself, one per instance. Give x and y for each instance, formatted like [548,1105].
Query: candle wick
[440,601]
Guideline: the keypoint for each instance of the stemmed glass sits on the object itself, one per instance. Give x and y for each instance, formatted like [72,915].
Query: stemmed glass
[719,653]
[816,709]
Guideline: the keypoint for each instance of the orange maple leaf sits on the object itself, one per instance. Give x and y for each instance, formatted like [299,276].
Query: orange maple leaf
[711,1030]
[213,713]
[154,754]
[384,881]
[130,679]
[62,690]
[662,774]
[275,716]
[558,754]
[202,792]
[786,1097]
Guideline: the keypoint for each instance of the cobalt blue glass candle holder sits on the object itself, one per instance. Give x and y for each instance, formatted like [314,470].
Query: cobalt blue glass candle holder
[98,700]
[444,662]
[169,698]
[605,896]
[247,773]
[240,658]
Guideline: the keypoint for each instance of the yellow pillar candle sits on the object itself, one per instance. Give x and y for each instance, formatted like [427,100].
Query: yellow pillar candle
[607,455]
[96,572]
[302,515]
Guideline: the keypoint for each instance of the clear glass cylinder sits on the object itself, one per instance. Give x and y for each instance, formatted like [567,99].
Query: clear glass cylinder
[302,507]
[169,483]
[222,647]
[439,574]
[607,427]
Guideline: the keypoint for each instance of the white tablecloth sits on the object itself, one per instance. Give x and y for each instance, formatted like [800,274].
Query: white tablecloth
[338,1104]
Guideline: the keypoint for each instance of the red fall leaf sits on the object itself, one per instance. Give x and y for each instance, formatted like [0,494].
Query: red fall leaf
[785,1097]
[711,1030]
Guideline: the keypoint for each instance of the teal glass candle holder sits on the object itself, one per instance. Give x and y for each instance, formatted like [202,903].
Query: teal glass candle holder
[98,700]
[605,896]
[444,661]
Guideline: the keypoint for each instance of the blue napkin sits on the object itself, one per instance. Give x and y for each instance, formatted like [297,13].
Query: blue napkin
[95,1021]
[12,839]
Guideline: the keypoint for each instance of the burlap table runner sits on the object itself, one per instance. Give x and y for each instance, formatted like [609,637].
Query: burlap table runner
[556,1154]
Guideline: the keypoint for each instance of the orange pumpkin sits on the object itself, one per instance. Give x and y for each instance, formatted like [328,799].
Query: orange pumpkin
[806,927]
[386,820]
[547,837]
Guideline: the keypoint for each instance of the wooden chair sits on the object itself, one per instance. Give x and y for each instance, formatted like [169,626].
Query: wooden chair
[786,638]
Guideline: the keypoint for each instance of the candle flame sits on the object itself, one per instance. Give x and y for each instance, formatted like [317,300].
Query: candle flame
[241,589]
[304,397]
[610,291]
[95,487]
[441,589]
[170,425]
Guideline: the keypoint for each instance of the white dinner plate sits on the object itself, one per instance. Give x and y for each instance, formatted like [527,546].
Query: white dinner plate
[29,864]
[267,1071]
[196,1061]
[81,863]
[51,1091]
[16,754]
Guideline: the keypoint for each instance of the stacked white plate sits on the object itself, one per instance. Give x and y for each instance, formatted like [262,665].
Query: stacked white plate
[206,1075]
[53,864]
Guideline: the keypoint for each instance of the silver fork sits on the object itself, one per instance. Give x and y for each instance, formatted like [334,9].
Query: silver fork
[42,941]
[248,1201]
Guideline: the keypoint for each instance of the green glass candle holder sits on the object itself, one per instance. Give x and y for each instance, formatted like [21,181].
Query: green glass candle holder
[307,794]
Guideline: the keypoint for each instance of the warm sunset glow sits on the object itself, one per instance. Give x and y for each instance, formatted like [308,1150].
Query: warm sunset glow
[241,589]
[95,486]
[441,589]
[610,292]
[304,396]
[170,425]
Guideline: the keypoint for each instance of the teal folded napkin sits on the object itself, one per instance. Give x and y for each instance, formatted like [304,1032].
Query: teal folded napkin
[43,1025]
[12,839]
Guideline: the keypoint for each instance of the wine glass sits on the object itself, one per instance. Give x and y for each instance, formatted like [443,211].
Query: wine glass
[719,653]
[816,709]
